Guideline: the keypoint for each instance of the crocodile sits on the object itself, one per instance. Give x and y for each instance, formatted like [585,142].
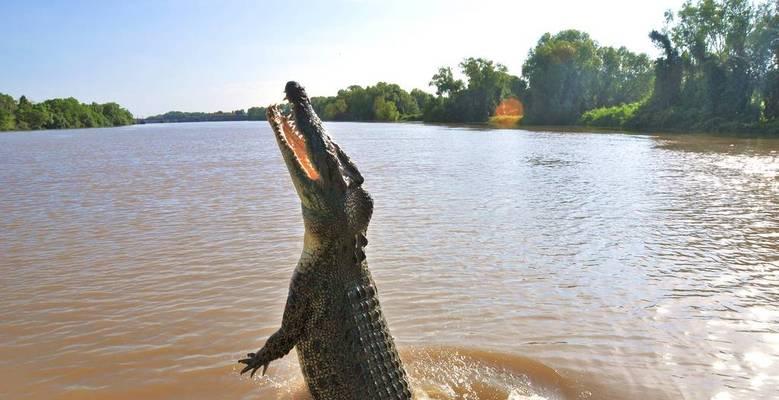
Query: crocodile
[332,315]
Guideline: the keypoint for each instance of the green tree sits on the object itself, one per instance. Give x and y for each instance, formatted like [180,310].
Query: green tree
[39,117]
[31,116]
[59,113]
[445,83]
[487,84]
[717,71]
[562,73]
[336,110]
[719,39]
[7,113]
[23,108]
[770,85]
[356,103]
[404,102]
[624,77]
[421,97]
[384,110]
[115,115]
[518,87]
[359,102]
[66,113]
[256,114]
[668,72]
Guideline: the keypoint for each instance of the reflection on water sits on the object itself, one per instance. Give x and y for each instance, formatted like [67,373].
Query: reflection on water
[142,262]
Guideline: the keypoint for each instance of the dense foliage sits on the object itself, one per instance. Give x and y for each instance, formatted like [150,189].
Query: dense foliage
[59,114]
[381,102]
[455,101]
[610,117]
[719,71]
[569,73]
[474,101]
[7,113]
[254,113]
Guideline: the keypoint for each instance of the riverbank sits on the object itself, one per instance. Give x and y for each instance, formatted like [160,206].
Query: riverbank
[601,129]
[774,133]
[59,113]
[502,125]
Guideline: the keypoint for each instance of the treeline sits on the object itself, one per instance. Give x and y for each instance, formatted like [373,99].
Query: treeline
[455,101]
[381,102]
[719,72]
[564,76]
[475,100]
[569,73]
[252,114]
[59,114]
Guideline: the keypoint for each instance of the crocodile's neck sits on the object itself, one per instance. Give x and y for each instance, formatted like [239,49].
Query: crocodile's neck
[344,256]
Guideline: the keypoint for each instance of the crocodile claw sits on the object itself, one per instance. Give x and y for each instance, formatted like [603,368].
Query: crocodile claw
[254,362]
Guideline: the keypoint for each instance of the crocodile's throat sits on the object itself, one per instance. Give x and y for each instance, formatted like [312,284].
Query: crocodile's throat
[287,132]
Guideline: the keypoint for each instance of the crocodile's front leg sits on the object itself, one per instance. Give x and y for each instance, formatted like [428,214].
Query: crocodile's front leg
[282,341]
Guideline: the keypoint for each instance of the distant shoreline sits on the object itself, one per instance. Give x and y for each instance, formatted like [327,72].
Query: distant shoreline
[486,126]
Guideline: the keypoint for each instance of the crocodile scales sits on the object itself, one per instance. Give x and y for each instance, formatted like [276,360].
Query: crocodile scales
[332,316]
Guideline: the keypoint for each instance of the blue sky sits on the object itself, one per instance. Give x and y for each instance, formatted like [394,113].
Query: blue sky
[157,56]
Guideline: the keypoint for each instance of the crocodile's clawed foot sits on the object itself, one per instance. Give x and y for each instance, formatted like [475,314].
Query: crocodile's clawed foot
[254,362]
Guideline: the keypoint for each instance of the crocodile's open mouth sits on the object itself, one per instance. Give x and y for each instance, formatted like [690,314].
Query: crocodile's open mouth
[287,132]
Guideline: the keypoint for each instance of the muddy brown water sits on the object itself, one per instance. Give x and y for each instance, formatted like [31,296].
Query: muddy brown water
[142,262]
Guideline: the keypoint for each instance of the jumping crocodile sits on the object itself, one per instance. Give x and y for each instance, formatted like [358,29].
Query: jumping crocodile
[332,315]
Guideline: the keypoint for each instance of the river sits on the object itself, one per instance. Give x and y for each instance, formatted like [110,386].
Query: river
[143,261]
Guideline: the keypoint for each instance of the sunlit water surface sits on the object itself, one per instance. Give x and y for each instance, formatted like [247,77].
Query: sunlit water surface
[142,262]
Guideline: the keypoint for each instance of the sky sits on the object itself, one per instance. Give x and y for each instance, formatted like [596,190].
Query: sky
[157,56]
